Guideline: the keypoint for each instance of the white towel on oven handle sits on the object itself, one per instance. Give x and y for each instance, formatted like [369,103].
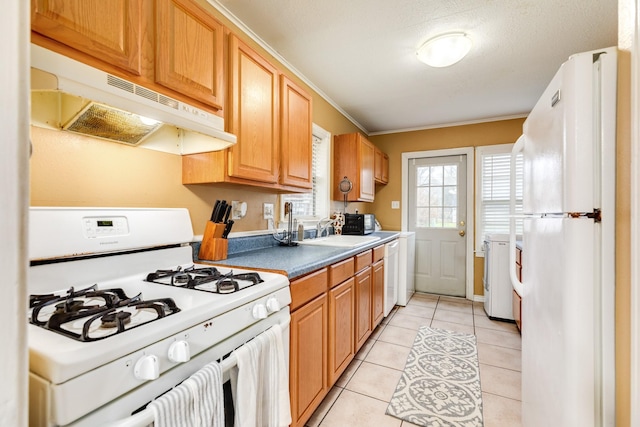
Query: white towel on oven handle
[261,382]
[197,402]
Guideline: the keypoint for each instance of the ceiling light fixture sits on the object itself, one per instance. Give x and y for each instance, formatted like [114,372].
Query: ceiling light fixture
[444,50]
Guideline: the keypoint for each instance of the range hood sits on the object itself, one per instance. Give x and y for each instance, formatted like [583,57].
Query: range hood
[71,96]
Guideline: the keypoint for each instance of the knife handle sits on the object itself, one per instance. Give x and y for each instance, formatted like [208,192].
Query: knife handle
[226,214]
[214,211]
[227,229]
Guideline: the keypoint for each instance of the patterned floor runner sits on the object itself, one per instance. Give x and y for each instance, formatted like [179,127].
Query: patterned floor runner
[440,384]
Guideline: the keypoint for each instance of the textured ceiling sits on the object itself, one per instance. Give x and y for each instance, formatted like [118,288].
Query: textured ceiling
[361,53]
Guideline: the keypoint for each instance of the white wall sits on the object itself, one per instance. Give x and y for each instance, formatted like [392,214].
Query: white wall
[14,191]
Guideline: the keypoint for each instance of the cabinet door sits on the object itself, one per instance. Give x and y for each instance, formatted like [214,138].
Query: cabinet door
[378,293]
[189,48]
[385,168]
[363,306]
[366,156]
[354,158]
[295,135]
[378,165]
[108,30]
[341,328]
[253,115]
[308,359]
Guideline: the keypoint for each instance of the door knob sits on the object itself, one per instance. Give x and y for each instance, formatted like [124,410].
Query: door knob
[461,233]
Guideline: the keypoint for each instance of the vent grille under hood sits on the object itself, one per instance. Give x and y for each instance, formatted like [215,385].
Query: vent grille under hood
[75,97]
[105,122]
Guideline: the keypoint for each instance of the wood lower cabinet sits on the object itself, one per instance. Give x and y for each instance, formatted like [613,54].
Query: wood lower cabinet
[308,380]
[363,292]
[341,328]
[377,300]
[517,300]
[331,318]
[517,310]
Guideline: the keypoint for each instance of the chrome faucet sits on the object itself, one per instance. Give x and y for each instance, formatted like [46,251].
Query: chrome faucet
[320,229]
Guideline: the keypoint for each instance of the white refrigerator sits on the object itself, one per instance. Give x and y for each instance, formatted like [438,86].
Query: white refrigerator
[568,285]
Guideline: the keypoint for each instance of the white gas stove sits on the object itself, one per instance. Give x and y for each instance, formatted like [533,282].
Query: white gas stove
[120,314]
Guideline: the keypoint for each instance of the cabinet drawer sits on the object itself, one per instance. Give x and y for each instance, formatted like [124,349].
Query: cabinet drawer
[363,260]
[307,288]
[378,253]
[341,271]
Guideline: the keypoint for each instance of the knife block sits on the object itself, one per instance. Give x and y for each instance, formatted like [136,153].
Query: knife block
[213,246]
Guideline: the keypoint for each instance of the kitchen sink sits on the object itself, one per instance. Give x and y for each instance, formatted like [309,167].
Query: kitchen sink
[340,241]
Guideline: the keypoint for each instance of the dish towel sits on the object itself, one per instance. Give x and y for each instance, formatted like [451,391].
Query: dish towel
[197,402]
[261,379]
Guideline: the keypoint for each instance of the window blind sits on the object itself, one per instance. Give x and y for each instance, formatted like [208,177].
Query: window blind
[495,193]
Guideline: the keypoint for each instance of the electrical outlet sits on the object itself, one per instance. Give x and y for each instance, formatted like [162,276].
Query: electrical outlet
[238,209]
[395,204]
[267,210]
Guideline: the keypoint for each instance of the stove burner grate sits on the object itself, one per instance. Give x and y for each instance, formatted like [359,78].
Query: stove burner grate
[91,314]
[207,279]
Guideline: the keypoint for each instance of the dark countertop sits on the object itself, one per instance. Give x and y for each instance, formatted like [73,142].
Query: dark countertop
[296,261]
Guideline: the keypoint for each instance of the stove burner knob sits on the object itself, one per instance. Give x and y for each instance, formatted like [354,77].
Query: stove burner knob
[147,368]
[273,305]
[179,352]
[259,311]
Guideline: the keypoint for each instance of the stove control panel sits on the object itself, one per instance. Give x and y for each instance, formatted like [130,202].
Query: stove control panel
[104,226]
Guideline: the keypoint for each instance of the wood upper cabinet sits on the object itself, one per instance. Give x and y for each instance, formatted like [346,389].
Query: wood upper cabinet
[108,30]
[172,46]
[189,51]
[295,135]
[253,116]
[385,168]
[272,118]
[354,157]
[341,328]
[381,167]
[308,359]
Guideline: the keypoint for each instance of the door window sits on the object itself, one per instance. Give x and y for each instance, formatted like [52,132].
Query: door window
[437,196]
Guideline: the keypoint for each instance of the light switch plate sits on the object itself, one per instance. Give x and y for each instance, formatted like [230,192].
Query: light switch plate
[395,204]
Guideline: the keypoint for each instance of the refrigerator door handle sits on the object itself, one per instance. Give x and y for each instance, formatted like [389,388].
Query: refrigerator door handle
[518,147]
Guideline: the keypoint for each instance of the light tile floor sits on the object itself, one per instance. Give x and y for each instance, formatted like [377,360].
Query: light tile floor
[360,397]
